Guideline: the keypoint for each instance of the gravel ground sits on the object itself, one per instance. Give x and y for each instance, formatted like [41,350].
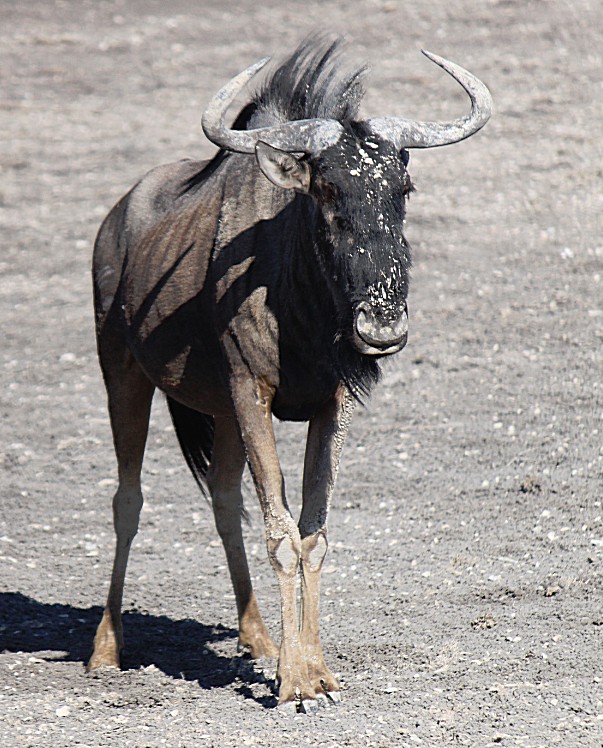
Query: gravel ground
[462,598]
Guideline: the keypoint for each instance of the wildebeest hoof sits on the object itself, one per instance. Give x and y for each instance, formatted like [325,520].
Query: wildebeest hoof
[288,707]
[309,706]
[258,650]
[99,664]
[322,700]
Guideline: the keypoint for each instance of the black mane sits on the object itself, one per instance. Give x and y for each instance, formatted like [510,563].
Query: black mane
[315,81]
[319,80]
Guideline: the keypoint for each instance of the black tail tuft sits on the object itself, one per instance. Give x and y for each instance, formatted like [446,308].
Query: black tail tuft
[195,432]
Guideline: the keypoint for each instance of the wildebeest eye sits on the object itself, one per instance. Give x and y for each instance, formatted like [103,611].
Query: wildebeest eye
[405,156]
[326,191]
[342,223]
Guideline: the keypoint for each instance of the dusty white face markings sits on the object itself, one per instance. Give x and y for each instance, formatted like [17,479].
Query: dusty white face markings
[373,168]
[381,296]
[384,293]
[366,218]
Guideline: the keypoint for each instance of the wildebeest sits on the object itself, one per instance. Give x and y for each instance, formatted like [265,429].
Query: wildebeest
[269,280]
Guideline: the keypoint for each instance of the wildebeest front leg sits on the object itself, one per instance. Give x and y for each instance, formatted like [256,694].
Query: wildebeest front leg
[326,436]
[252,404]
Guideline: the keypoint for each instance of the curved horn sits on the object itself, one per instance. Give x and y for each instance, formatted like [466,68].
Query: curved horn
[299,136]
[410,134]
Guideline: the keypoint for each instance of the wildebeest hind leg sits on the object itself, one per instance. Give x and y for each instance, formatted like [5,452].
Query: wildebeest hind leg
[130,394]
[224,481]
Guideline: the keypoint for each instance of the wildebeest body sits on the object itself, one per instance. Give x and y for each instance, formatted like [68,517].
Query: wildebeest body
[268,281]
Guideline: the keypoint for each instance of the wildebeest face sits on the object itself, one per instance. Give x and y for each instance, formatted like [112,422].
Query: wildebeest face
[360,186]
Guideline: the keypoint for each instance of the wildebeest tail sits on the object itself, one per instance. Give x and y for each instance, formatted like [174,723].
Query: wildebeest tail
[195,432]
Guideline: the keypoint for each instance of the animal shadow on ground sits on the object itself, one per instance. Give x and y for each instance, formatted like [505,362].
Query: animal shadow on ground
[179,648]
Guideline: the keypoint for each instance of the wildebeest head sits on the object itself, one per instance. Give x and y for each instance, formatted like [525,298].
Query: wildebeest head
[359,186]
[356,173]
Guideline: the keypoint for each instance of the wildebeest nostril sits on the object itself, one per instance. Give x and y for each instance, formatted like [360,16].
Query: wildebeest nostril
[375,330]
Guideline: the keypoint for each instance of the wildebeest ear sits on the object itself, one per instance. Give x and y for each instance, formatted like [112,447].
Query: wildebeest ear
[283,169]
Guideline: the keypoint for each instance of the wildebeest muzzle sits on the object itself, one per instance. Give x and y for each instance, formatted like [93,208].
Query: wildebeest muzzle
[377,333]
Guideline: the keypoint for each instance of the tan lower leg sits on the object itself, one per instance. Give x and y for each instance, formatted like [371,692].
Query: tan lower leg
[108,641]
[314,549]
[253,634]
[224,481]
[292,671]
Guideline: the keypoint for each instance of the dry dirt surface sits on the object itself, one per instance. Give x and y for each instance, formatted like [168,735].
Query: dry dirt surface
[462,597]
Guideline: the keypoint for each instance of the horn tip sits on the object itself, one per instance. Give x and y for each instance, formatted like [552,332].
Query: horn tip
[260,63]
[433,57]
